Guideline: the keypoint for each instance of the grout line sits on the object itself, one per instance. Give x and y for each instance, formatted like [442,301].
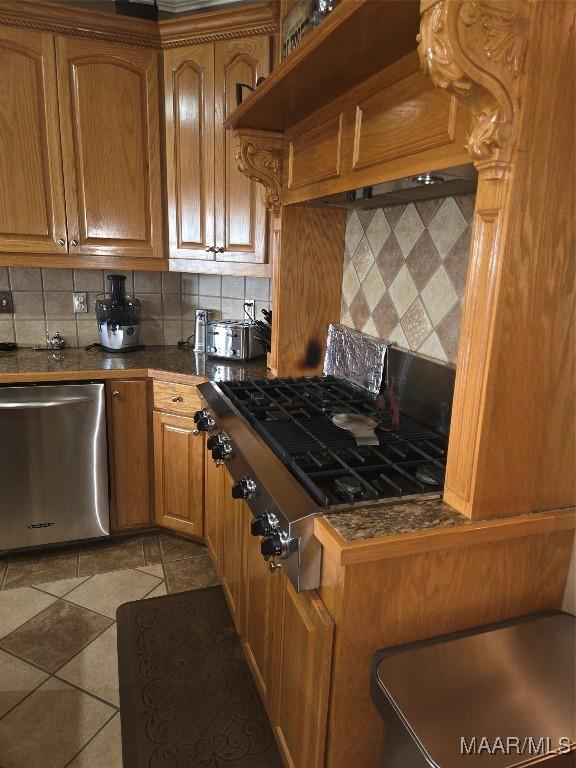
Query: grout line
[115,707]
[55,673]
[23,699]
[90,740]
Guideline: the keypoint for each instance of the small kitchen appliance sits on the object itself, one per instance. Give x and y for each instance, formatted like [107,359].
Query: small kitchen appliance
[118,318]
[233,340]
[202,318]
[291,462]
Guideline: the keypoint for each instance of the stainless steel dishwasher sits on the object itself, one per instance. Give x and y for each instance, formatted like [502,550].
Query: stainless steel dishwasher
[53,464]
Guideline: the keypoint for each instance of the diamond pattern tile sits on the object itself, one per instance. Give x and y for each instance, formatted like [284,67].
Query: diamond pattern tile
[18,606]
[403,291]
[363,258]
[354,232]
[416,324]
[389,260]
[378,231]
[405,270]
[439,296]
[432,347]
[408,229]
[423,260]
[350,284]
[446,226]
[373,287]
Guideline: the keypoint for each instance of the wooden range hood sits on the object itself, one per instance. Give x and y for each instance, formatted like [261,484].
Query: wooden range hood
[481,99]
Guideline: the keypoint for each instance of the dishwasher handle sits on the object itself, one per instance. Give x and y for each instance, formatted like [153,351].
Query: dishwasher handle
[29,404]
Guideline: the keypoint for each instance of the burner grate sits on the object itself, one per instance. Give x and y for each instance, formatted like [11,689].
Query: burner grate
[294,417]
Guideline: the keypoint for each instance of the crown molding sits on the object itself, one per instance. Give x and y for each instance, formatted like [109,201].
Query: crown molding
[211,25]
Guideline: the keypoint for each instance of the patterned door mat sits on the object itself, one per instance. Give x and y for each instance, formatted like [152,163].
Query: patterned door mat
[187,698]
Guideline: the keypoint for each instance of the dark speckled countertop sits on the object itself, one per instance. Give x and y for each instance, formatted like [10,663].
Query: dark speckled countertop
[14,366]
[391,519]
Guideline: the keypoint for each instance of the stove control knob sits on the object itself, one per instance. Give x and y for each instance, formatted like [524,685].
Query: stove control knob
[244,489]
[264,525]
[271,545]
[204,422]
[223,451]
[213,441]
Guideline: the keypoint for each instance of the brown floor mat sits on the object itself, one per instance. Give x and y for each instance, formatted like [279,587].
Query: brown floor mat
[187,698]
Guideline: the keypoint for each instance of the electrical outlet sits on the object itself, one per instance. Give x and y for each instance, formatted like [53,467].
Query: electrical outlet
[6,303]
[249,310]
[80,304]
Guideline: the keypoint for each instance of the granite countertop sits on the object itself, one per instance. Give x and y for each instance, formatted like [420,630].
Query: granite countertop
[391,519]
[181,360]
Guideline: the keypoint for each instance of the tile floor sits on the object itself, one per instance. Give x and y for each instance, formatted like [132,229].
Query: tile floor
[59,702]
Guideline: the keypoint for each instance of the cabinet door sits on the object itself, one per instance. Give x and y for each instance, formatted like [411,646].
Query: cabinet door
[231,562]
[241,218]
[178,474]
[32,215]
[189,114]
[259,596]
[302,677]
[129,452]
[110,146]
[213,500]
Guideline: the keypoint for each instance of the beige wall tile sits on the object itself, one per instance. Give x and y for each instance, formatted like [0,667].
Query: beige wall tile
[28,305]
[59,304]
[66,328]
[7,330]
[89,280]
[257,288]
[25,279]
[4,279]
[57,279]
[172,332]
[30,332]
[147,282]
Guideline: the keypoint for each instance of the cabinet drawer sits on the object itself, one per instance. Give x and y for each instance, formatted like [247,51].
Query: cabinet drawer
[180,398]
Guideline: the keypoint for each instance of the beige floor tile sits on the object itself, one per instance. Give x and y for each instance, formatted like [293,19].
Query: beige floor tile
[55,635]
[160,591]
[62,587]
[49,728]
[194,573]
[95,669]
[153,570]
[105,749]
[106,591]
[19,605]
[17,679]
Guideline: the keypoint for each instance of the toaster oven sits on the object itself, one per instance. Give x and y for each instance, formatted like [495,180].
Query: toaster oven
[233,340]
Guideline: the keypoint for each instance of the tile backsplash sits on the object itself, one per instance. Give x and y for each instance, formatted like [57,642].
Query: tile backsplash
[405,273]
[43,302]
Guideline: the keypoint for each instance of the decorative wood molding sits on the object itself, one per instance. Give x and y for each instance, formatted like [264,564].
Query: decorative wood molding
[210,26]
[476,50]
[259,157]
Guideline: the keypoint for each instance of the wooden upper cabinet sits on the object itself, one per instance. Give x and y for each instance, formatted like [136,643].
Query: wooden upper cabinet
[241,216]
[189,104]
[32,216]
[110,145]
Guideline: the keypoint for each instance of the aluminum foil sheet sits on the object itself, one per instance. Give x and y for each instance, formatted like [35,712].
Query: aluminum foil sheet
[355,357]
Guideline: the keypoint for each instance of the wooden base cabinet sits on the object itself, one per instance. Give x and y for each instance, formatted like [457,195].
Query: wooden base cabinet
[213,499]
[129,453]
[178,472]
[231,533]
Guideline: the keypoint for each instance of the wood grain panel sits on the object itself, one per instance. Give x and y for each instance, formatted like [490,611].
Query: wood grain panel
[259,600]
[179,398]
[213,501]
[410,598]
[232,527]
[315,154]
[303,678]
[241,218]
[179,474]
[512,447]
[407,117]
[110,134]
[32,216]
[189,130]
[307,287]
[130,453]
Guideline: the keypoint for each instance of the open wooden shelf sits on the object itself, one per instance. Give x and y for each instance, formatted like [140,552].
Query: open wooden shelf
[357,40]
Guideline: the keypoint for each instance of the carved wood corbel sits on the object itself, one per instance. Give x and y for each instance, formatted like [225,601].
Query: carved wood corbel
[476,49]
[259,157]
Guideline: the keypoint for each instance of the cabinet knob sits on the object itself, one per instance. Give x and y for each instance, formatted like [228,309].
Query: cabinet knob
[115,393]
[220,249]
[61,241]
[210,249]
[73,242]
[177,398]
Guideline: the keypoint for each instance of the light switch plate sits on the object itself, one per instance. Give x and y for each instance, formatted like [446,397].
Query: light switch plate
[6,303]
[80,304]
